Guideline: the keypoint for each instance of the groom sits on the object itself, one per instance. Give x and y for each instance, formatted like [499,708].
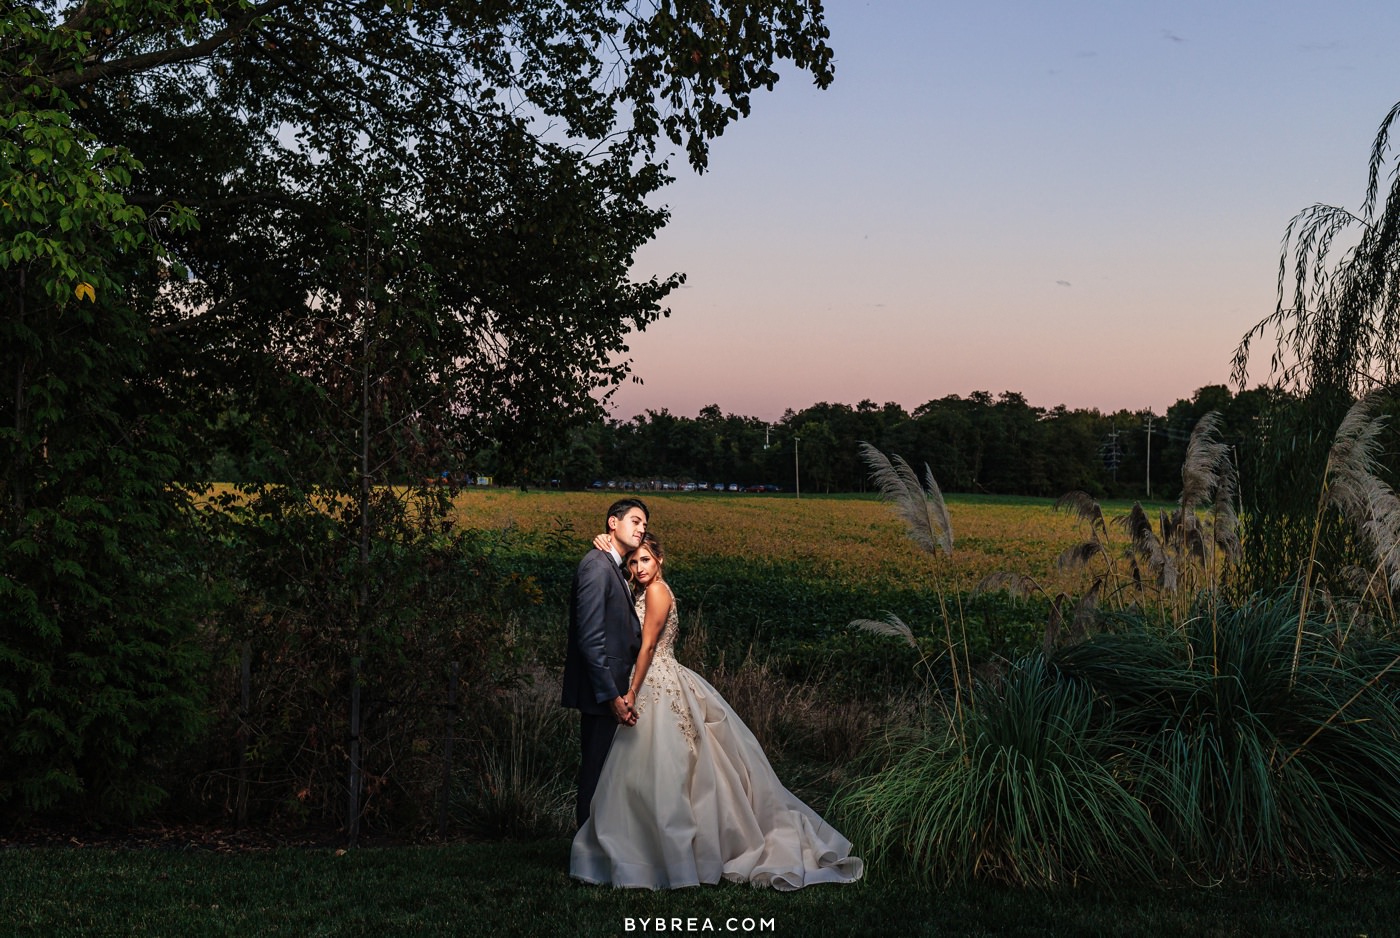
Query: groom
[604,637]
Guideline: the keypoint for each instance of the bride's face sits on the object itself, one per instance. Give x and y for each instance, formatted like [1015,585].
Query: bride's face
[644,565]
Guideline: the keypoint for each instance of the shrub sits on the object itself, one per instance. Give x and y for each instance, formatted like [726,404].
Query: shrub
[317,623]
[1249,764]
[1028,789]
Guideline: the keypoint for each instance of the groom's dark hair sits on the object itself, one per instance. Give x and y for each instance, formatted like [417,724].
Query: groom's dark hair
[624,505]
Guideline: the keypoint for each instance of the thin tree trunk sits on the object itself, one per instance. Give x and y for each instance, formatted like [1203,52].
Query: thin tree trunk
[447,747]
[245,687]
[19,476]
[352,807]
[352,823]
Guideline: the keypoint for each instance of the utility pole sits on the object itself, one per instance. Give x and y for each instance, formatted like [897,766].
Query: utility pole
[796,471]
[1111,452]
[1149,454]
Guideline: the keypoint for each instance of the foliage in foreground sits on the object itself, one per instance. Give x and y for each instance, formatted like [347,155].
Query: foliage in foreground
[1145,753]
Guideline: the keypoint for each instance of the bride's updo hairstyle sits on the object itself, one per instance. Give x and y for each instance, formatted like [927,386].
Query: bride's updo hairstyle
[650,542]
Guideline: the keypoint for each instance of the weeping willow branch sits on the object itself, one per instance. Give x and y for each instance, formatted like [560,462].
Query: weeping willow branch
[1336,323]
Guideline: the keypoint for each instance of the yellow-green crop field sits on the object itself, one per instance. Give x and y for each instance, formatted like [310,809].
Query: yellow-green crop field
[851,540]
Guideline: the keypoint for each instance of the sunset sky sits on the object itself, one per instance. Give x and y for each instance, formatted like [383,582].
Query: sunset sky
[1080,201]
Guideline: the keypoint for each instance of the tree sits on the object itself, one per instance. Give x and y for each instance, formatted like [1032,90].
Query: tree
[1334,324]
[480,171]
[97,607]
[1336,337]
[377,233]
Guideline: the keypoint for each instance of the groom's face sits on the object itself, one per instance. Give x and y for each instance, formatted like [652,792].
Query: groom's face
[627,531]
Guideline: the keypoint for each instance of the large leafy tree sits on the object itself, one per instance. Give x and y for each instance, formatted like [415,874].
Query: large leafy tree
[94,672]
[335,238]
[480,172]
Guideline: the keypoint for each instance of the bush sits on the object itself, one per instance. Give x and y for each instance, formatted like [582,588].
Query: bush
[1206,750]
[1022,787]
[315,621]
[1252,764]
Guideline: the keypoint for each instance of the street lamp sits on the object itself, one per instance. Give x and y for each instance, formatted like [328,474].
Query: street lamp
[796,471]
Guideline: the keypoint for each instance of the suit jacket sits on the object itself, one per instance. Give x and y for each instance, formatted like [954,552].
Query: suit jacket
[604,635]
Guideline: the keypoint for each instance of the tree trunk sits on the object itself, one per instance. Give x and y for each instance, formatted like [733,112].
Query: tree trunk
[245,682]
[447,748]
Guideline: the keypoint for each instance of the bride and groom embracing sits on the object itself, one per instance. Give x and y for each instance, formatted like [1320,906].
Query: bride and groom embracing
[674,790]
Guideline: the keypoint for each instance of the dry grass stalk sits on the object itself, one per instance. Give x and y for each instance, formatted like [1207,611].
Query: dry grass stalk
[1207,466]
[1078,555]
[1016,584]
[1145,542]
[1086,508]
[1181,551]
[1357,491]
[1085,611]
[1351,484]
[926,518]
[892,626]
[921,506]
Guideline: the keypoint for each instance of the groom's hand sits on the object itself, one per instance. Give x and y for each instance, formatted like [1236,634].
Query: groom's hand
[623,712]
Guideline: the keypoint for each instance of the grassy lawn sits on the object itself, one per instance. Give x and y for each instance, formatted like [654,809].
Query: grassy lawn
[522,889]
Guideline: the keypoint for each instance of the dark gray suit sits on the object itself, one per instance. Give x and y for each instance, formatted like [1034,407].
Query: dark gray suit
[604,638]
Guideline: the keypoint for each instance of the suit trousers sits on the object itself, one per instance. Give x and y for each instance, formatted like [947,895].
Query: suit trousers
[596,733]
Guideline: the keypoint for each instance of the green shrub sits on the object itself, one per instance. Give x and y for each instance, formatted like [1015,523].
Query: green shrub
[1249,764]
[306,607]
[1025,787]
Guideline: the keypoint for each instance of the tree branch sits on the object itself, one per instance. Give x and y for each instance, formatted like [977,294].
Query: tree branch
[141,63]
[219,307]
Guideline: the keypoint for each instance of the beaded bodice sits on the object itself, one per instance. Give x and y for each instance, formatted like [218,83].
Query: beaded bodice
[662,685]
[666,644]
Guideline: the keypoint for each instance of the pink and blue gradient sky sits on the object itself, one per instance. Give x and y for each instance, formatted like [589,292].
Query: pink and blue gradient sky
[1080,201]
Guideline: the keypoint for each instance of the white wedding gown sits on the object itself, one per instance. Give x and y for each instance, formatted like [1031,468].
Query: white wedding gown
[688,797]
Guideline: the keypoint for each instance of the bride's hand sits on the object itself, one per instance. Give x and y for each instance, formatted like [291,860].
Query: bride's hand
[603,542]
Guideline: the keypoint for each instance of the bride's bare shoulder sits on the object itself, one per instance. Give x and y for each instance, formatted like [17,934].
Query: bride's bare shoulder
[659,594]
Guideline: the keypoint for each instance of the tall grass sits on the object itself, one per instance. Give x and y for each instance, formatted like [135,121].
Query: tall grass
[1027,791]
[1147,753]
[519,782]
[1179,735]
[1248,766]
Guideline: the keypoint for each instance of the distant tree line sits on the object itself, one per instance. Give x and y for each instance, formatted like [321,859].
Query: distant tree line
[981,443]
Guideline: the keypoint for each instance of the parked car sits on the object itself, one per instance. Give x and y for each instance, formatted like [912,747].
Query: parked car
[734,486]
[753,488]
[702,486]
[688,487]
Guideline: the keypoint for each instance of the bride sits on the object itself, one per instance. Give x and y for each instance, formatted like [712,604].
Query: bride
[687,795]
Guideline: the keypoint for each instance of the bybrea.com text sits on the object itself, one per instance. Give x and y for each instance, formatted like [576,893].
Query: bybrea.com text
[696,924]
